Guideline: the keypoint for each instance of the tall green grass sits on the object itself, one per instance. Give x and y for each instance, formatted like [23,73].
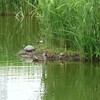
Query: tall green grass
[72,24]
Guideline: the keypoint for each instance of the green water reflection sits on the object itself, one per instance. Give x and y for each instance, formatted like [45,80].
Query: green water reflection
[49,81]
[20,80]
[15,34]
[72,81]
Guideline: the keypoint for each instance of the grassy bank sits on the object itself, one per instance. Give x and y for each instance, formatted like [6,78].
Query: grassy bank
[71,24]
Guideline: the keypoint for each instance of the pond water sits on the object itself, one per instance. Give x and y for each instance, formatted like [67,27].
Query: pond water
[49,81]
[21,80]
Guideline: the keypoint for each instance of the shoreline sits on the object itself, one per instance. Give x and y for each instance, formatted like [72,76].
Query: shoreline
[48,56]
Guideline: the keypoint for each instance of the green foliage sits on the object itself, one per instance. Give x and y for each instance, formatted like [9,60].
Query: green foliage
[72,24]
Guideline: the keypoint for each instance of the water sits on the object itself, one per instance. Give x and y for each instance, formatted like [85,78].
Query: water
[15,34]
[49,81]
[21,80]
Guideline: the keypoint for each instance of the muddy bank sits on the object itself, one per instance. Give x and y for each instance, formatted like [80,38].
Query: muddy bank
[45,55]
[62,56]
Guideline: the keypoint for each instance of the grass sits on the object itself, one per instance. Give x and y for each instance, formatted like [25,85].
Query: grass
[71,24]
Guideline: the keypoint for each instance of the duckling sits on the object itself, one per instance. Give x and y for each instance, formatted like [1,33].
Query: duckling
[39,56]
[61,55]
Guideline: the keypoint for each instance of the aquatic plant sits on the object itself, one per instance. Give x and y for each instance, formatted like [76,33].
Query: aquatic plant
[72,24]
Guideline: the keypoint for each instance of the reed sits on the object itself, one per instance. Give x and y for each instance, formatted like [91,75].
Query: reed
[72,24]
